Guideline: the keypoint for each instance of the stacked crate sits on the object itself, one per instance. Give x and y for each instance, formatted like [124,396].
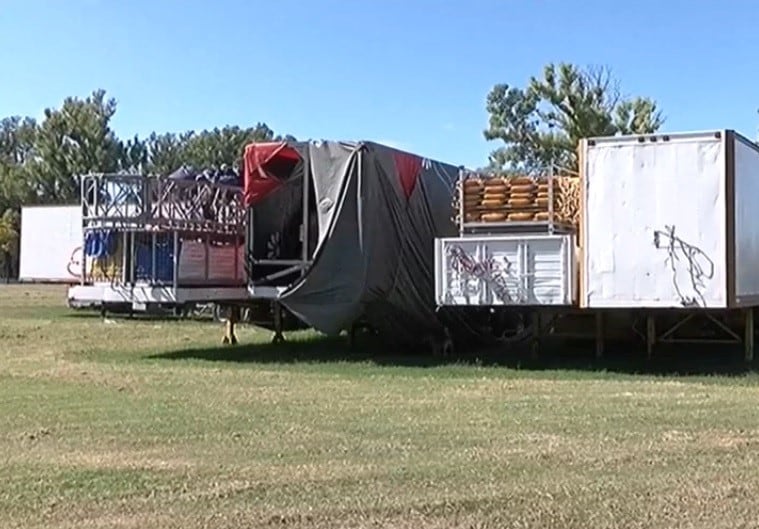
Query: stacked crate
[520,199]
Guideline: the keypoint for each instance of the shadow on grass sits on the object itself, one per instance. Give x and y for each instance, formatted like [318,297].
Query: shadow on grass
[694,360]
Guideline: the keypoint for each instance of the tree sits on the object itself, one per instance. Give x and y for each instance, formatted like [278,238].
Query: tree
[213,148]
[542,123]
[205,149]
[9,242]
[71,141]
[166,152]
[17,137]
[134,155]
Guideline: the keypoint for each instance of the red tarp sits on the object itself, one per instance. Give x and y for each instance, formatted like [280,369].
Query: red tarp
[266,166]
[408,167]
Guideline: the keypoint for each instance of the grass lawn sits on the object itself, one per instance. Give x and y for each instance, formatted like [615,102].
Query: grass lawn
[139,423]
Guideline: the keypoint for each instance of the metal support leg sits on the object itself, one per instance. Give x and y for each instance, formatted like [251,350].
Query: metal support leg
[536,334]
[229,327]
[352,335]
[650,334]
[748,340]
[278,336]
[599,335]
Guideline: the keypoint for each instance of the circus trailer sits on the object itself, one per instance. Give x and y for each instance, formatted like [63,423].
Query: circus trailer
[153,242]
[50,247]
[340,232]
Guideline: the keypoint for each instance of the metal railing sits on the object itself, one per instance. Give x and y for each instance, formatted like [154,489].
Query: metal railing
[137,202]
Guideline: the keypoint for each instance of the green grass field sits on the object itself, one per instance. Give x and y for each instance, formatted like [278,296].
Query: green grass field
[139,423]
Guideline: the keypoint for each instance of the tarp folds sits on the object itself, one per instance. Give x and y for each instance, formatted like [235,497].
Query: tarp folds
[267,166]
[379,211]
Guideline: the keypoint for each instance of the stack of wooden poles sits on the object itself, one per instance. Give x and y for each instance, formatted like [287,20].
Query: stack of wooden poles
[520,199]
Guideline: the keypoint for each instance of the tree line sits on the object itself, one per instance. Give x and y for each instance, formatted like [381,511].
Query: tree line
[535,125]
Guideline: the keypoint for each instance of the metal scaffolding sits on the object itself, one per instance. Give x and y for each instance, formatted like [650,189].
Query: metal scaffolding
[150,220]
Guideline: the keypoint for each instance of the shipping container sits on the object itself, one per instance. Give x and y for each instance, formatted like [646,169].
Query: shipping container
[669,221]
[50,248]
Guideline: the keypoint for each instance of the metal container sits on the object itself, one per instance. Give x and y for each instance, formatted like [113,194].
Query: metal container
[670,221]
[504,270]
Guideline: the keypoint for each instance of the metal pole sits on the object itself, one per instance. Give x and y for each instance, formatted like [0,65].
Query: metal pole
[206,256]
[461,199]
[306,201]
[95,194]
[133,253]
[360,192]
[84,260]
[153,257]
[83,198]
[124,256]
[175,279]
[550,199]
[83,204]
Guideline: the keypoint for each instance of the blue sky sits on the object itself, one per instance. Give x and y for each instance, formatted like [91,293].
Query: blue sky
[413,73]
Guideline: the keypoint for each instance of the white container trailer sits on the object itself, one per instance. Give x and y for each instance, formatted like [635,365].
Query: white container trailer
[50,248]
[670,221]
[505,269]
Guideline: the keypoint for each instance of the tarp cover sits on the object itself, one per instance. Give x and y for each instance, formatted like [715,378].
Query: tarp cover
[378,213]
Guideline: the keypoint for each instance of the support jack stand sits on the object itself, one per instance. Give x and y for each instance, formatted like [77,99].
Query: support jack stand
[278,337]
[229,327]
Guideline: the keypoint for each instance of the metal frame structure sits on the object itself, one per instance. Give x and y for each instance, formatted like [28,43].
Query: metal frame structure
[551,226]
[130,201]
[262,288]
[159,212]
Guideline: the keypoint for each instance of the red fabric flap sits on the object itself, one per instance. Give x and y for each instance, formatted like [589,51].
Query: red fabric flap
[266,166]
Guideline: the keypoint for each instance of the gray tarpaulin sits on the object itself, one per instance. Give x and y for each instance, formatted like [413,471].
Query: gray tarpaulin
[377,213]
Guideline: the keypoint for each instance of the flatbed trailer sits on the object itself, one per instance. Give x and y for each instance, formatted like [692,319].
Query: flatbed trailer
[153,243]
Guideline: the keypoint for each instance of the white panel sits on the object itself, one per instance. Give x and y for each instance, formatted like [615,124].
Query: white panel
[225,262]
[96,294]
[504,270]
[222,263]
[51,243]
[655,222]
[192,261]
[746,219]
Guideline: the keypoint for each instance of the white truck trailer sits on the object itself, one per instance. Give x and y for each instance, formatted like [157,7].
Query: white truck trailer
[51,244]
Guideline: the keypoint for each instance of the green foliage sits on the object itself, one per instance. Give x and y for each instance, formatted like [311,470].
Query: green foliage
[9,238]
[74,140]
[542,123]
